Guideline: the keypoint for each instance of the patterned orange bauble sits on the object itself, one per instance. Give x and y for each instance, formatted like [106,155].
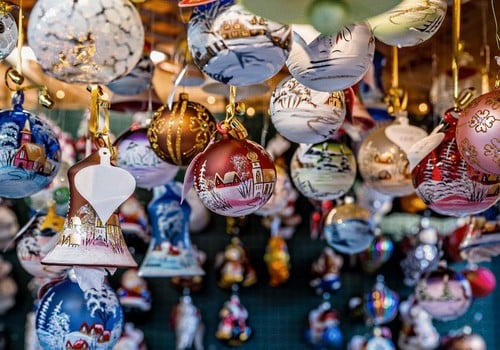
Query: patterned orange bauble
[178,134]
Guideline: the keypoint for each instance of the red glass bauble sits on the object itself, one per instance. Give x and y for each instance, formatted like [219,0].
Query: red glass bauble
[233,177]
[482,281]
[447,183]
[178,134]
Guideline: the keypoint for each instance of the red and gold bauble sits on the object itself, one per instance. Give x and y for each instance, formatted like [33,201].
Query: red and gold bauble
[179,133]
[478,133]
[233,176]
[445,181]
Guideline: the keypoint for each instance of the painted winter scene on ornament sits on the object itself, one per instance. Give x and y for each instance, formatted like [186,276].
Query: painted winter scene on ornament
[68,318]
[304,115]
[29,152]
[237,47]
[324,170]
[8,35]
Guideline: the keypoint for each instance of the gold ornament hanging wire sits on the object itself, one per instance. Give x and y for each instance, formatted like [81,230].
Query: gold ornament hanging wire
[396,98]
[234,109]
[99,135]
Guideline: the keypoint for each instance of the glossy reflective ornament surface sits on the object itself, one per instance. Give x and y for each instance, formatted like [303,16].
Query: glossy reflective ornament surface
[281,194]
[138,80]
[478,133]
[323,171]
[445,181]
[304,115]
[137,157]
[410,23]
[30,154]
[323,327]
[234,328]
[381,303]
[482,280]
[69,318]
[332,63]
[87,42]
[178,134]
[234,46]
[378,252]
[8,34]
[444,293]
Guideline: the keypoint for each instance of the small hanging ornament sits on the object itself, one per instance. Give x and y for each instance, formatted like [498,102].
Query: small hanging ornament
[326,272]
[464,340]
[304,115]
[234,46]
[323,327]
[334,62]
[233,327]
[410,23]
[381,303]
[444,293]
[347,228]
[377,253]
[134,154]
[87,42]
[482,280]
[188,325]
[277,260]
[417,331]
[179,132]
[233,266]
[323,171]
[8,30]
[133,292]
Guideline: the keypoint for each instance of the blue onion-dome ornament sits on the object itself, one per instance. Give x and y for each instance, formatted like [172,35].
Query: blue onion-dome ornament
[70,318]
[29,151]
[8,30]
[381,303]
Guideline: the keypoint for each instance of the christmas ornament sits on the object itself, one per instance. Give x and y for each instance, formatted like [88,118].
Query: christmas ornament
[465,341]
[193,283]
[233,176]
[9,225]
[8,31]
[30,151]
[178,133]
[8,287]
[481,242]
[382,159]
[444,293]
[332,62]
[87,42]
[188,325]
[410,23]
[170,251]
[133,292]
[200,217]
[233,266]
[281,194]
[324,170]
[233,327]
[482,280]
[132,338]
[138,80]
[377,203]
[477,133]
[277,260]
[304,115]
[417,331]
[378,252]
[38,239]
[326,272]
[134,220]
[347,228]
[70,318]
[134,154]
[323,329]
[381,303]
[234,46]
[444,180]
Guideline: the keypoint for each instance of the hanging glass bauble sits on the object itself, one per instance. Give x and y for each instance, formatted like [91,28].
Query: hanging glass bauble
[465,341]
[323,171]
[30,151]
[234,327]
[69,318]
[378,252]
[381,303]
[304,115]
[323,327]
[482,280]
[179,133]
[135,155]
[382,159]
[8,35]
[281,194]
[347,228]
[444,293]
[233,176]
[332,63]
[478,133]
[443,179]
[234,46]
[87,42]
[138,80]
[410,23]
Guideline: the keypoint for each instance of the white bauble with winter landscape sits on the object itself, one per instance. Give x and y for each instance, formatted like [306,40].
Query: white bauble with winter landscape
[30,154]
[323,171]
[234,46]
[8,35]
[69,318]
[304,115]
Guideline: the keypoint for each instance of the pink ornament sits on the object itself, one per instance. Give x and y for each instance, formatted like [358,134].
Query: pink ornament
[478,133]
[482,281]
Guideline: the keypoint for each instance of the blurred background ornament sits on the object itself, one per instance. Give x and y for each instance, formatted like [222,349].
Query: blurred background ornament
[133,293]
[234,46]
[68,317]
[193,283]
[304,115]
[138,80]
[347,228]
[332,62]
[324,170]
[8,287]
[86,42]
[131,338]
[482,280]
[188,325]
[465,339]
[9,225]
[9,32]
[378,252]
[417,331]
[277,260]
[444,293]
[233,328]
[323,328]
[481,241]
[233,266]
[325,271]
[282,193]
[381,303]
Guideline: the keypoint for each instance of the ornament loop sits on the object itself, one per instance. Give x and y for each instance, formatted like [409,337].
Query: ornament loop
[100,136]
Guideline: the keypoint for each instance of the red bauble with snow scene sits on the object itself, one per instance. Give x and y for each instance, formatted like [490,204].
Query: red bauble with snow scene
[445,181]
[233,176]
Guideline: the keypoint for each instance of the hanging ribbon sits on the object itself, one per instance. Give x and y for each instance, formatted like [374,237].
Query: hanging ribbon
[396,98]
[100,136]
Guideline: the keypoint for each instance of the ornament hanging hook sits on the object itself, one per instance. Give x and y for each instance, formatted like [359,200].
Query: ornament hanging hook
[234,109]
[100,136]
[396,98]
